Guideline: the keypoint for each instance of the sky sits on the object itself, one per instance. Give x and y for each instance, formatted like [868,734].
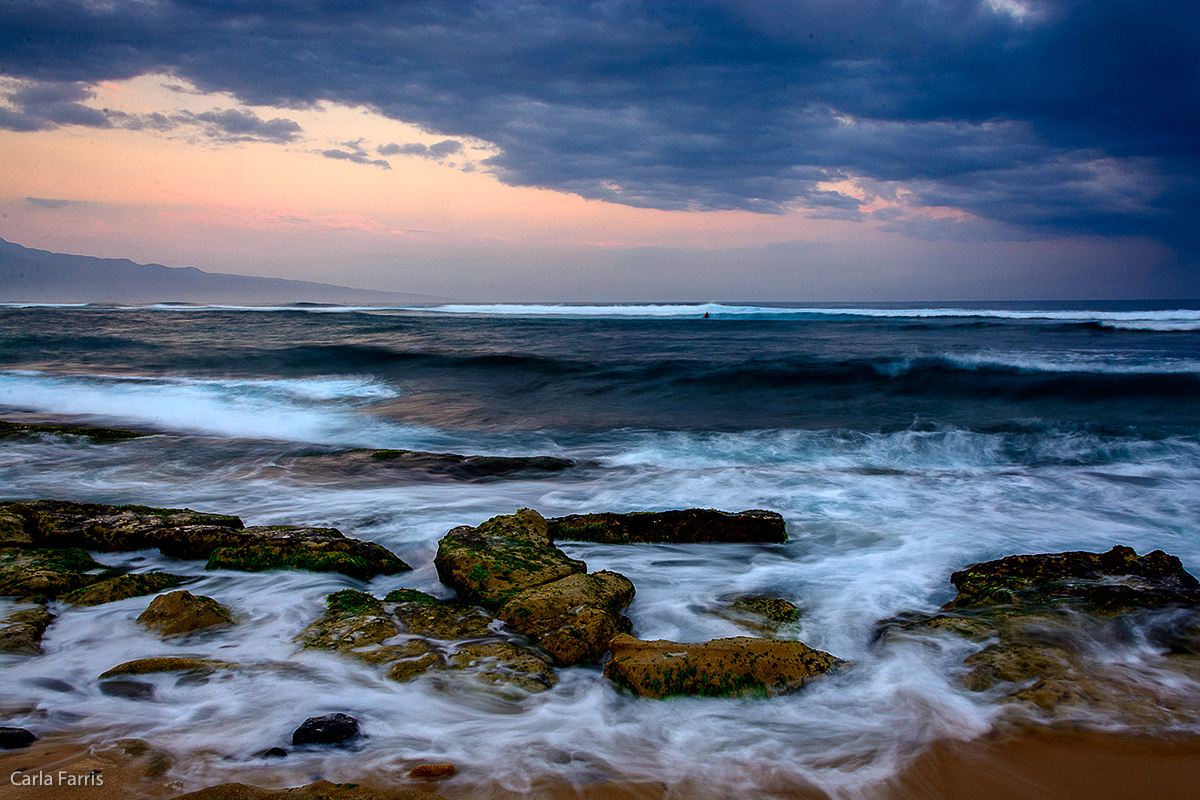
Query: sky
[824,150]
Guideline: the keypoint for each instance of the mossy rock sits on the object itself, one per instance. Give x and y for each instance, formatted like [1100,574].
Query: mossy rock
[182,612]
[489,564]
[47,573]
[504,664]
[719,668]
[96,434]
[157,664]
[16,528]
[573,618]
[685,526]
[22,631]
[123,587]
[177,532]
[312,549]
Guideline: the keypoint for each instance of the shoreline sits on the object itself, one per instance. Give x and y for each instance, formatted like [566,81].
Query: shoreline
[1034,763]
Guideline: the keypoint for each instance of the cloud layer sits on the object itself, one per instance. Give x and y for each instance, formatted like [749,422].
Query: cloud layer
[1058,116]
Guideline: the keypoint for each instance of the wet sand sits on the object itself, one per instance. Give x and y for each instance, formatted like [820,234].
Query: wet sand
[1033,765]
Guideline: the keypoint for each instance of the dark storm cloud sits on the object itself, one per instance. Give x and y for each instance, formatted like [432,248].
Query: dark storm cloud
[1079,115]
[40,107]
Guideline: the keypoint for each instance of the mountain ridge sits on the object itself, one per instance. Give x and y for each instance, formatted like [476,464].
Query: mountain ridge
[40,276]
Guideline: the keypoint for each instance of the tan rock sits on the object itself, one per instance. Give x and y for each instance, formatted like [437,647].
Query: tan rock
[183,612]
[721,667]
[22,631]
[147,666]
[573,618]
[321,790]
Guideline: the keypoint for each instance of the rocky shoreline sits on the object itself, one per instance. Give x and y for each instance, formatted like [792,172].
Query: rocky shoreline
[526,609]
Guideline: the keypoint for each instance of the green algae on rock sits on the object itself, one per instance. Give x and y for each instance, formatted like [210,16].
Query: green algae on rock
[412,633]
[123,587]
[741,665]
[682,527]
[183,612]
[22,631]
[509,564]
[183,533]
[44,574]
[96,434]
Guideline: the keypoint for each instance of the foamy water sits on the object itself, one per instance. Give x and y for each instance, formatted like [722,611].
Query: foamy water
[877,518]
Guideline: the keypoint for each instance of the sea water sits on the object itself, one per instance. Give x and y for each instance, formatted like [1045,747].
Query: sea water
[898,443]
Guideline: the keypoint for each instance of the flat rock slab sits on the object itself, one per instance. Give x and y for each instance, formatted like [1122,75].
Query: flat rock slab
[1103,583]
[123,587]
[721,667]
[321,790]
[183,533]
[681,527]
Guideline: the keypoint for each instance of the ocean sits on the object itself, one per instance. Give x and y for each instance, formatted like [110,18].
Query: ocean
[899,443]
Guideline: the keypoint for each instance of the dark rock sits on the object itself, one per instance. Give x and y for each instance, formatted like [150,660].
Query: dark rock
[41,574]
[1101,583]
[432,771]
[321,790]
[721,667]
[470,468]
[22,631]
[509,564]
[13,738]
[123,587]
[96,434]
[147,666]
[183,612]
[312,549]
[684,527]
[134,690]
[334,729]
[272,752]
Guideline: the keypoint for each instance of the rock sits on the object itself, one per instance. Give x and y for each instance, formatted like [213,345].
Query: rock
[312,549]
[134,690]
[22,631]
[683,527]
[183,612]
[321,790]
[147,666]
[1040,618]
[183,533]
[273,752]
[431,771]
[1100,583]
[47,573]
[763,615]
[491,563]
[123,587]
[413,633]
[154,763]
[96,434]
[335,729]
[574,618]
[721,667]
[509,564]
[14,738]
[469,468]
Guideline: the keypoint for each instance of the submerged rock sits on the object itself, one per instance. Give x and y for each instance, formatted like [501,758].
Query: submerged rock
[682,527]
[22,631]
[1047,623]
[133,690]
[321,790]
[761,614]
[413,633]
[47,573]
[469,468]
[183,612]
[333,729]
[147,666]
[509,564]
[13,738]
[123,587]
[96,434]
[721,667]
